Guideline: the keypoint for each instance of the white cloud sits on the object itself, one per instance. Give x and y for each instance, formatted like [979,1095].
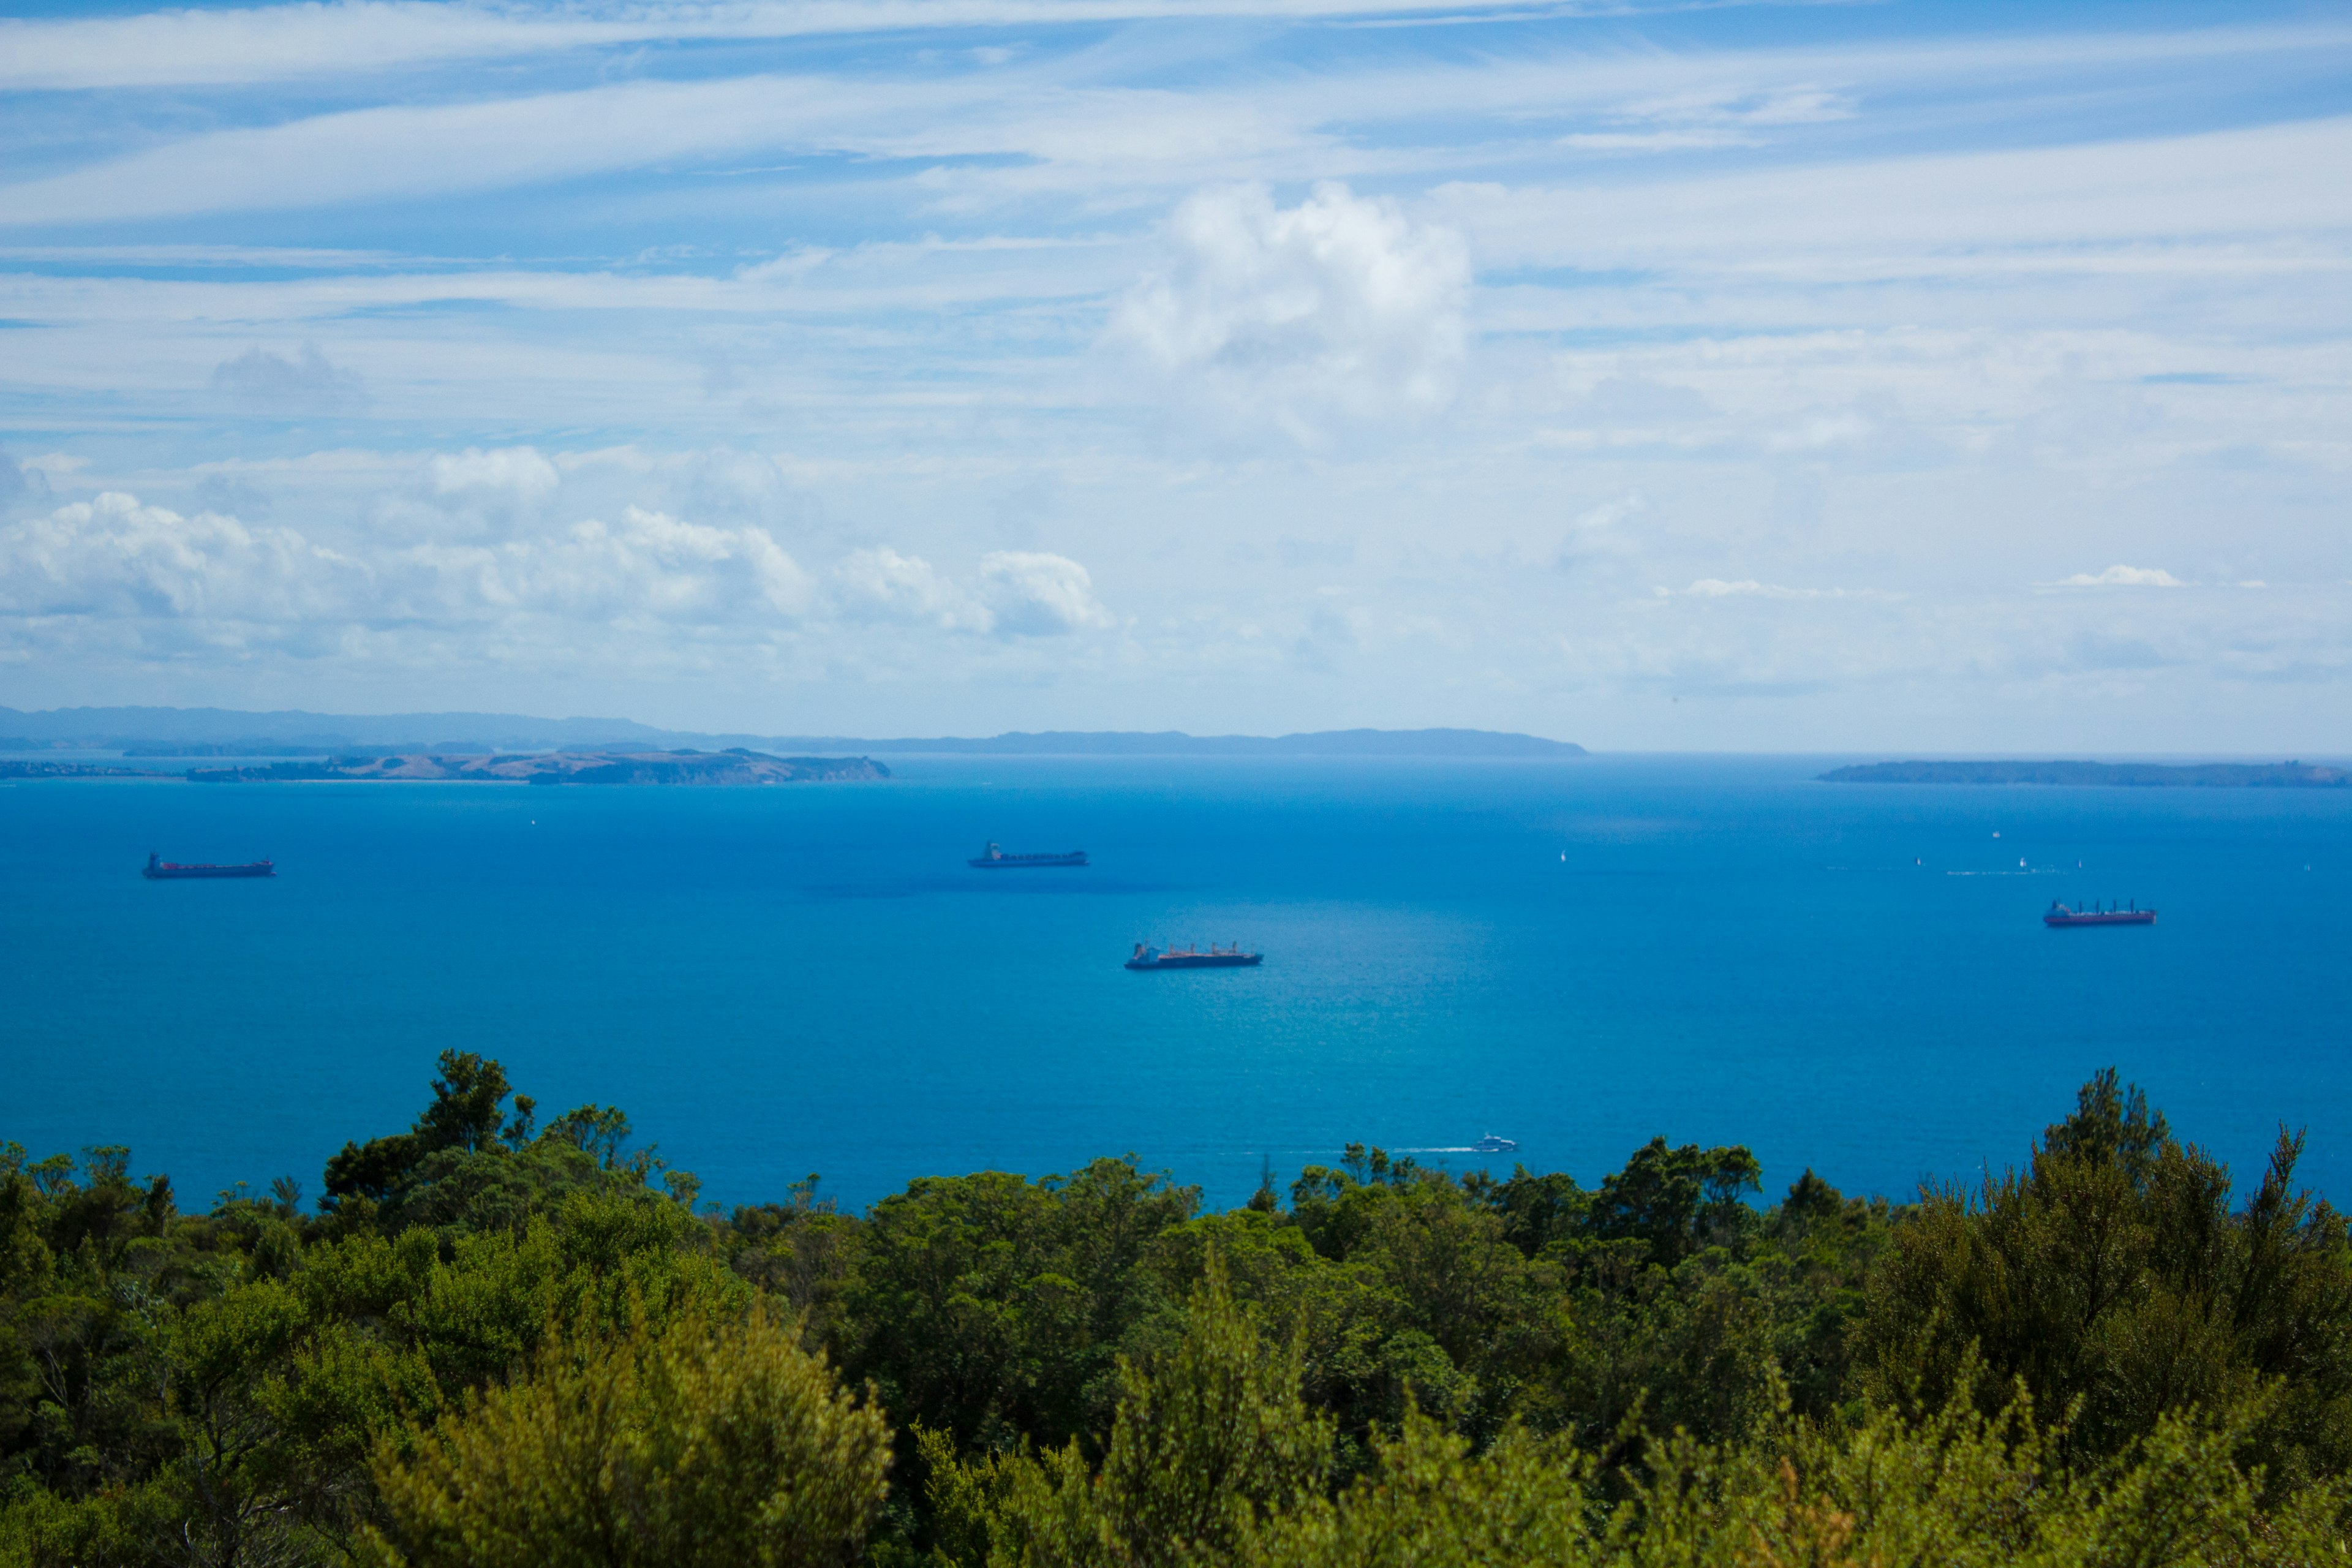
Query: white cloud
[1818,431]
[653,565]
[1021,593]
[1037,594]
[307,383]
[1932,327]
[278,42]
[58,465]
[400,150]
[1598,533]
[879,584]
[1947,213]
[2122,577]
[519,472]
[112,556]
[1340,301]
[1748,588]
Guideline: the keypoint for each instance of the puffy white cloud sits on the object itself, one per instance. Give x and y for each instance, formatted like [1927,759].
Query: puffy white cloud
[881,584]
[1036,594]
[2122,577]
[653,565]
[1021,593]
[638,586]
[512,471]
[1340,301]
[112,556]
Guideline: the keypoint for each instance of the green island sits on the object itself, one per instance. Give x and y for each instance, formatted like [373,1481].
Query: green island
[2204,775]
[494,1343]
[735,766]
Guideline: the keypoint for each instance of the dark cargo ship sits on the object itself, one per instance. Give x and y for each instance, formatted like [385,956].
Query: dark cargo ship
[2061,915]
[1193,958]
[996,859]
[162,871]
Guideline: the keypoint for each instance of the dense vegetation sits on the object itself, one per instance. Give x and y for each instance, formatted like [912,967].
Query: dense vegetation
[493,1343]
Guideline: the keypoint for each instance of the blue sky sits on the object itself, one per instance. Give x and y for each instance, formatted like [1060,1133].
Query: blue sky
[1745,376]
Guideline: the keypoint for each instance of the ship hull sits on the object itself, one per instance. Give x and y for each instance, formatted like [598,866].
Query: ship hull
[2120,918]
[1201,960]
[1026,862]
[191,873]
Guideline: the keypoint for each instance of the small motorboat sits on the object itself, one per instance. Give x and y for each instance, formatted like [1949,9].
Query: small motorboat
[1491,1144]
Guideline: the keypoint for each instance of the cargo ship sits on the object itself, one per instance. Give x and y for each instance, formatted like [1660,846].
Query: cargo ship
[1193,958]
[162,871]
[995,859]
[2060,914]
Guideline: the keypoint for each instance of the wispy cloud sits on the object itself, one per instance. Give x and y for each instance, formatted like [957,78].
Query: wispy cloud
[1748,588]
[306,382]
[1186,358]
[274,43]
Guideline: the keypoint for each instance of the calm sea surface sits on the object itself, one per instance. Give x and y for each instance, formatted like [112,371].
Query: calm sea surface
[1577,955]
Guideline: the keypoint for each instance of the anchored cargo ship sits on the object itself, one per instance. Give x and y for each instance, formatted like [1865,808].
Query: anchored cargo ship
[1193,958]
[996,859]
[162,871]
[2132,915]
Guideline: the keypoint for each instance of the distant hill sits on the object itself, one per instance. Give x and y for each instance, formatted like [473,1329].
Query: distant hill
[225,733]
[734,767]
[1176,743]
[2208,775]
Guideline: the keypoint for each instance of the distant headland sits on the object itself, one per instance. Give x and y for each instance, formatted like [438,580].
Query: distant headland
[735,766]
[228,733]
[1176,743]
[2205,776]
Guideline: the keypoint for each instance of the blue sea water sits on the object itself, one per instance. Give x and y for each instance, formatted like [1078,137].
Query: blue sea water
[1577,955]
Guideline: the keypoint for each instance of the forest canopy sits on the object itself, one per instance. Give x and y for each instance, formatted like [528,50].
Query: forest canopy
[490,1341]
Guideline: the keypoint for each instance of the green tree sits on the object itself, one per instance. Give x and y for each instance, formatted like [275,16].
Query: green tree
[696,1445]
[2111,1275]
[995,1308]
[1210,1443]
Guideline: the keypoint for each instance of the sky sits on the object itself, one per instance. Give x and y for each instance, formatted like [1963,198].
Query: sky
[1710,376]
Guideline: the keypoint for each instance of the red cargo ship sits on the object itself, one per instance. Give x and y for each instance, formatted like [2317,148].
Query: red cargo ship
[162,871]
[2060,915]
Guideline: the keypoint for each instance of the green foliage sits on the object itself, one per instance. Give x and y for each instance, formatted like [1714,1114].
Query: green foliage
[207,1389]
[994,1308]
[1209,1444]
[499,1342]
[698,1444]
[2112,1278]
[463,1166]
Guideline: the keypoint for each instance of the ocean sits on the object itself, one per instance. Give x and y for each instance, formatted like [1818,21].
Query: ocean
[1574,955]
